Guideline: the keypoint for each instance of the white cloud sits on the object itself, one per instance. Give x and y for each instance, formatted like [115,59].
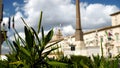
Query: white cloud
[25,1]
[97,15]
[19,25]
[5,48]
[4,13]
[54,12]
[5,21]
[22,35]
[15,4]
[60,11]
[68,30]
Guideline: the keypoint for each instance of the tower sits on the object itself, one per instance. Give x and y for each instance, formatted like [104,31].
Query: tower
[78,33]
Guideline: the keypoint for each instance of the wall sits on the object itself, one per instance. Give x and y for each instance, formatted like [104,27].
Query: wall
[115,20]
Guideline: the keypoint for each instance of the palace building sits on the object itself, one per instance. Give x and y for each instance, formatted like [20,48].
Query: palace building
[90,43]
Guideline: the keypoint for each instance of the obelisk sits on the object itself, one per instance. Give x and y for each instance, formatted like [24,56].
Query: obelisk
[78,33]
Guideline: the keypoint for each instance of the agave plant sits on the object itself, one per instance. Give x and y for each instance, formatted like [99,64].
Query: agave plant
[30,52]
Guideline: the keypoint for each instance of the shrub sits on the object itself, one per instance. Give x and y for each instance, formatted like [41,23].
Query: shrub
[31,51]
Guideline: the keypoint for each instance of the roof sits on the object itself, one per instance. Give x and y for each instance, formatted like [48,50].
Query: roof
[115,13]
[92,31]
[101,29]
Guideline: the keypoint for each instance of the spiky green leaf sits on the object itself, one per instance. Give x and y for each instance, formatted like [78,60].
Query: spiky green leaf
[48,36]
[39,24]
[29,37]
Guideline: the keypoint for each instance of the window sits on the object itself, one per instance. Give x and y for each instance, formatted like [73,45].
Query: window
[118,49]
[72,48]
[117,36]
[109,38]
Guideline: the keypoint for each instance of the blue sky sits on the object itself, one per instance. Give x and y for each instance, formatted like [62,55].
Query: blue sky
[94,14]
[10,9]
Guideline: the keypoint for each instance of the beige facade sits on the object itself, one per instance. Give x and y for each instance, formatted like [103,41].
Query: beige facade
[115,18]
[107,37]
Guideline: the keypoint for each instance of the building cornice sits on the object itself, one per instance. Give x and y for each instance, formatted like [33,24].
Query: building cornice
[101,29]
[115,13]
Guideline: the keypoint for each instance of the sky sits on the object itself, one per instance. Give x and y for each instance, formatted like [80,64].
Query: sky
[94,14]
